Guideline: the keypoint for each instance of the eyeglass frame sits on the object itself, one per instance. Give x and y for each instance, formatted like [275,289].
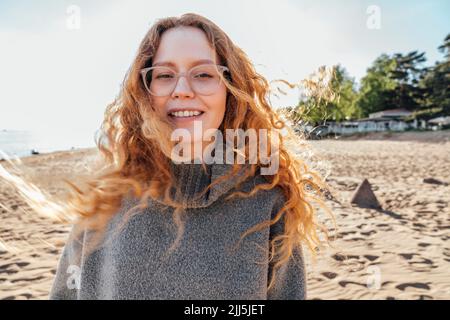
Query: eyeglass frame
[144,71]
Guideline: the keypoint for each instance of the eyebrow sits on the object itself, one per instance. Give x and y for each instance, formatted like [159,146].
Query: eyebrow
[195,63]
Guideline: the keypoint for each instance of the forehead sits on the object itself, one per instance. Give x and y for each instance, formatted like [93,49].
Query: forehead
[183,46]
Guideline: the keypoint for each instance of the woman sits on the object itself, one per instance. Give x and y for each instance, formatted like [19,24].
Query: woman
[150,227]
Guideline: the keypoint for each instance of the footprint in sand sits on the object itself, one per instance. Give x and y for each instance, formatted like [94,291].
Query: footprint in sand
[367,233]
[370,257]
[342,257]
[384,227]
[424,297]
[341,235]
[31,279]
[344,283]
[351,261]
[423,244]
[21,296]
[417,262]
[329,275]
[418,285]
[356,239]
[11,268]
[407,256]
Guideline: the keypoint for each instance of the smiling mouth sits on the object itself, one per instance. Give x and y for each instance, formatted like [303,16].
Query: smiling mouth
[185,115]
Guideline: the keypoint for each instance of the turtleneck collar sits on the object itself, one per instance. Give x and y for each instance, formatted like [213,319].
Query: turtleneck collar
[192,180]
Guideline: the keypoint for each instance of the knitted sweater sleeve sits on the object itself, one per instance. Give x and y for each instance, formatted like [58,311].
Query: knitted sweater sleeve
[66,283]
[290,281]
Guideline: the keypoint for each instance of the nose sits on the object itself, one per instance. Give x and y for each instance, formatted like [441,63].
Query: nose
[182,89]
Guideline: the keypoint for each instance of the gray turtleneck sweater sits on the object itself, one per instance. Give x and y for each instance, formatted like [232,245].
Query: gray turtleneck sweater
[130,265]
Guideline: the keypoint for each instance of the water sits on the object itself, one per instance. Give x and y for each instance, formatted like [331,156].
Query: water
[20,143]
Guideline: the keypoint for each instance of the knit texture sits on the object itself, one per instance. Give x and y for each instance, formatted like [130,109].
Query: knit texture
[132,264]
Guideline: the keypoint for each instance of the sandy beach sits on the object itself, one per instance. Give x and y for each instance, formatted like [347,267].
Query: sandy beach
[399,252]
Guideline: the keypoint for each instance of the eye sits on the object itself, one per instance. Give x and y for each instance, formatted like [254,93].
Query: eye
[164,76]
[203,75]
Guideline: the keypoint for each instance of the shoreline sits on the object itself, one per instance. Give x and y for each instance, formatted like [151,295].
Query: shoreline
[34,155]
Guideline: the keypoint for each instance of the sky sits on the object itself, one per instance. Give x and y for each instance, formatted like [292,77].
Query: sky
[62,62]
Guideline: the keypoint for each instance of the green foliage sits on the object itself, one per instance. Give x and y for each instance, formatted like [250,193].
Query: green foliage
[376,86]
[316,94]
[407,74]
[436,84]
[393,81]
[344,106]
[317,107]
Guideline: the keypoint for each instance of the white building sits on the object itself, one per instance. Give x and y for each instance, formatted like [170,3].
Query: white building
[391,114]
[386,120]
[439,122]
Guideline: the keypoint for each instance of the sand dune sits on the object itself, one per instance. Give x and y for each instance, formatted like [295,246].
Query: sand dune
[399,252]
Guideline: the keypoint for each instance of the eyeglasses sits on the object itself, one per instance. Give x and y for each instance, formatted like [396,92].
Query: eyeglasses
[204,79]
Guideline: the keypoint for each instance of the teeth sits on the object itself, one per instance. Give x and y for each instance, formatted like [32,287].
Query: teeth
[185,113]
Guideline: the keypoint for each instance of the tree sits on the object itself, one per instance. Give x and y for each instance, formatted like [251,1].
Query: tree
[344,106]
[436,84]
[377,86]
[331,96]
[393,82]
[407,73]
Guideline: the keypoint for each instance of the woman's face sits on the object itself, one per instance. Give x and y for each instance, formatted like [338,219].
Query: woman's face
[181,49]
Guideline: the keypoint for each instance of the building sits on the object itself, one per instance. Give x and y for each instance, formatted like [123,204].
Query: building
[386,120]
[397,114]
[439,122]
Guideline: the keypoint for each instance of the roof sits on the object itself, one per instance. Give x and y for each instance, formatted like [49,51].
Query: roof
[378,119]
[395,110]
[399,111]
[442,120]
